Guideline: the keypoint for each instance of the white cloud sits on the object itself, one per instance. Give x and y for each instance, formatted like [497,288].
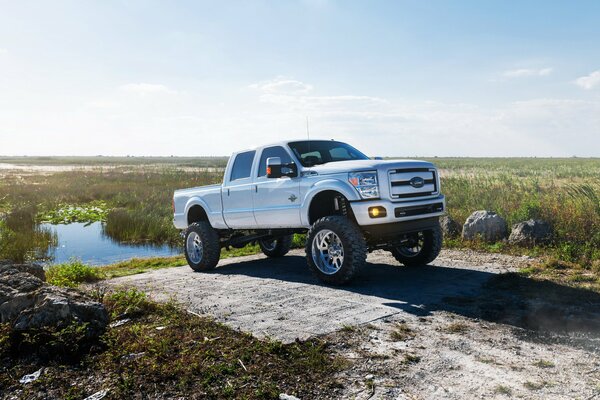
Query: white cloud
[282,85]
[145,88]
[524,72]
[427,128]
[590,81]
[3,51]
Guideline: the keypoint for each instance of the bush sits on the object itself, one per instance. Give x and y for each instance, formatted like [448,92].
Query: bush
[71,274]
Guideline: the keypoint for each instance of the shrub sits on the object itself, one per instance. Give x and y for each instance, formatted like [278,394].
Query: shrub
[71,274]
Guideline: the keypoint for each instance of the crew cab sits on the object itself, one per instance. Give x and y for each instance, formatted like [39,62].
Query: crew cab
[347,203]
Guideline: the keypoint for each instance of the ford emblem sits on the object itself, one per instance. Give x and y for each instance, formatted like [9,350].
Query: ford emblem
[417,182]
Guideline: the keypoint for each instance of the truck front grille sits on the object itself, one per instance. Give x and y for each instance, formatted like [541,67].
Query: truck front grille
[414,182]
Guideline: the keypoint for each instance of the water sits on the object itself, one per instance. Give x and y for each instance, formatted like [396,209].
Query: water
[89,244]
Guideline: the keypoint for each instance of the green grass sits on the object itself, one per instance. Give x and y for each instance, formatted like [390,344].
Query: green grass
[72,274]
[188,357]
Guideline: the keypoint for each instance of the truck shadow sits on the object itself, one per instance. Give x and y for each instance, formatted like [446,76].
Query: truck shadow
[536,306]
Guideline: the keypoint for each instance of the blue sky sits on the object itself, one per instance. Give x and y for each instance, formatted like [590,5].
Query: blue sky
[406,78]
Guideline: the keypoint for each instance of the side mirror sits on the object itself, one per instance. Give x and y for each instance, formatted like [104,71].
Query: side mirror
[275,169]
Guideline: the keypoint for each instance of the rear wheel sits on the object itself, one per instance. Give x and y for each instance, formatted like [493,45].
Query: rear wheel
[202,247]
[276,247]
[335,249]
[420,249]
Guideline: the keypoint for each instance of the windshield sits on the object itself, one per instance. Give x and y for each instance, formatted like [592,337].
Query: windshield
[317,152]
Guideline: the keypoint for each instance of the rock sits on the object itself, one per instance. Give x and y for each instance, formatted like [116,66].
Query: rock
[450,227]
[33,269]
[26,302]
[31,377]
[487,225]
[530,232]
[98,395]
[285,396]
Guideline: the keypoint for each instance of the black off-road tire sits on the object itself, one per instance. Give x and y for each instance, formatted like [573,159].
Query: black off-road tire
[283,244]
[431,248]
[210,246]
[354,244]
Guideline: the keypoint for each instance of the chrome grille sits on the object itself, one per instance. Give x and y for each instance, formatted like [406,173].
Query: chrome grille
[405,183]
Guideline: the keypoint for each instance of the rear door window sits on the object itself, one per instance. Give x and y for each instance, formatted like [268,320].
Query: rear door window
[242,166]
[275,151]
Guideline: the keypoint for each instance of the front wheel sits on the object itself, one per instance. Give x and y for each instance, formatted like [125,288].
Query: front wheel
[420,249]
[335,249]
[276,247]
[202,247]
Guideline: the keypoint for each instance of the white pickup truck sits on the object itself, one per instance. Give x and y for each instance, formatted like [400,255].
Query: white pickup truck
[348,203]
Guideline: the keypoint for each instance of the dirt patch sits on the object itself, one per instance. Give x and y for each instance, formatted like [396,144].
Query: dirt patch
[453,330]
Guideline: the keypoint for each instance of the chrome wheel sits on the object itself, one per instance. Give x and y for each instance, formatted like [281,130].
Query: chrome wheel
[413,247]
[327,252]
[194,247]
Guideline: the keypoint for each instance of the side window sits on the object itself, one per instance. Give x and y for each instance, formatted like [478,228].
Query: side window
[242,166]
[276,151]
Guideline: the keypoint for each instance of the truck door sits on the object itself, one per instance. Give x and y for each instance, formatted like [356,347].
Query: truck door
[237,192]
[276,200]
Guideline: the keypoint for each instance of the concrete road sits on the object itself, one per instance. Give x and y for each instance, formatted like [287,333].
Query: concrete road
[281,299]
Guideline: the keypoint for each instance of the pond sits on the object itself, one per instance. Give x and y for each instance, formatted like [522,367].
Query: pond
[88,243]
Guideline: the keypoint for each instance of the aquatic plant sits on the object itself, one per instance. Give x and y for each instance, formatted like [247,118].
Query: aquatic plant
[67,213]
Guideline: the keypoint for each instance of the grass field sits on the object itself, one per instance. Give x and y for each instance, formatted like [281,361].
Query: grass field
[133,196]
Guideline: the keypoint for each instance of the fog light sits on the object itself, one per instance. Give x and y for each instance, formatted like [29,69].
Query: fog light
[377,212]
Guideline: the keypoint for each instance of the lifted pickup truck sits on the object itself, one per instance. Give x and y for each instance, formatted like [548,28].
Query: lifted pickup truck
[348,204]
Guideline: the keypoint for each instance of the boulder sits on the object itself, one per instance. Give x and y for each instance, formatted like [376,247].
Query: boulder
[450,227]
[33,269]
[486,225]
[26,302]
[530,232]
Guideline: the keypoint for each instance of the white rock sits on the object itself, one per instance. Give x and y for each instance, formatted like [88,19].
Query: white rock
[31,377]
[486,225]
[98,395]
[284,396]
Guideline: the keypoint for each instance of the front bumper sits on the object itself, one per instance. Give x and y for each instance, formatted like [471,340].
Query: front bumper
[398,211]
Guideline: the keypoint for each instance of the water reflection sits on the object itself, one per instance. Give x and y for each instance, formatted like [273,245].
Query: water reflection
[88,243]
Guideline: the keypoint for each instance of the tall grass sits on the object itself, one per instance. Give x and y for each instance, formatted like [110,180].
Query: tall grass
[565,192]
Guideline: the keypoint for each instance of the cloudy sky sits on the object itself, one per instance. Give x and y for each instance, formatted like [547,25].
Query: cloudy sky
[394,78]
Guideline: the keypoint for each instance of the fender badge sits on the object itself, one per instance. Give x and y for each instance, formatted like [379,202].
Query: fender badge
[292,198]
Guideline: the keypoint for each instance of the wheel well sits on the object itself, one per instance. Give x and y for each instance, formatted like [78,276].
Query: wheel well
[329,202]
[196,214]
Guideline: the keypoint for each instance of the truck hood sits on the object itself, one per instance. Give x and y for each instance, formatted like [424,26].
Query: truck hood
[363,165]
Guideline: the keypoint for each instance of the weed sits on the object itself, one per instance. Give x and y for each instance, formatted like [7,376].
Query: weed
[71,274]
[544,364]
[402,332]
[534,385]
[457,327]
[501,389]
[411,358]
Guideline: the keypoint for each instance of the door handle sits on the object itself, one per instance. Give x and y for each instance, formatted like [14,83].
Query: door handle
[227,191]
[256,188]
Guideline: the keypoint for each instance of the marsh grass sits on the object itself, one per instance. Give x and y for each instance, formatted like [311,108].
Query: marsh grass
[138,193]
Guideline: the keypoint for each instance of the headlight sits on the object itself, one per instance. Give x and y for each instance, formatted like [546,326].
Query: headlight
[365,183]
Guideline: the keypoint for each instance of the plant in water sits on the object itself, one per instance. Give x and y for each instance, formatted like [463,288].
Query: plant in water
[67,214]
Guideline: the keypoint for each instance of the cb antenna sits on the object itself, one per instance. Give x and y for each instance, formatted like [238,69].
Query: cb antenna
[308,135]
